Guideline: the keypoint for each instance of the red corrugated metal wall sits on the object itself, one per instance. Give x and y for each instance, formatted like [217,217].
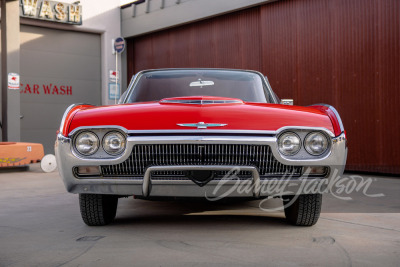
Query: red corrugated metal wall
[231,41]
[340,52]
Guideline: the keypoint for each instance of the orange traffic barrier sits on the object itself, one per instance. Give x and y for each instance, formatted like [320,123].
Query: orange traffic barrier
[18,154]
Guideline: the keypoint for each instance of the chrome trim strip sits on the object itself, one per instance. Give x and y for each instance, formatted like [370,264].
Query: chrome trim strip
[66,113]
[294,128]
[227,132]
[147,176]
[133,80]
[338,118]
[200,131]
[269,87]
[106,127]
[335,112]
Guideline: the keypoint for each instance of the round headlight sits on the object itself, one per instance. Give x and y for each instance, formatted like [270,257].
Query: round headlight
[289,143]
[86,143]
[114,143]
[316,143]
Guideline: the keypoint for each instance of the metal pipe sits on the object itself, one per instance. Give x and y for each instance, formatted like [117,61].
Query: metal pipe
[4,78]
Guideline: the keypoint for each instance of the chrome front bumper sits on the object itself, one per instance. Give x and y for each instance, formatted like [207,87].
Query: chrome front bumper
[67,160]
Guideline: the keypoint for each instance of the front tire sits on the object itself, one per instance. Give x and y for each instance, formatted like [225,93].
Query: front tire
[98,210]
[303,211]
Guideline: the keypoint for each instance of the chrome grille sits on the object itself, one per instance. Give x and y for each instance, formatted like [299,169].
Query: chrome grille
[144,156]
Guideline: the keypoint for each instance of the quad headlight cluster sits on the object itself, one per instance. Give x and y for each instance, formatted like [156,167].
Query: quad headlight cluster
[315,143]
[87,143]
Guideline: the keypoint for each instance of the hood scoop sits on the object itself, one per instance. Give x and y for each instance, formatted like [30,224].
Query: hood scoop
[201,100]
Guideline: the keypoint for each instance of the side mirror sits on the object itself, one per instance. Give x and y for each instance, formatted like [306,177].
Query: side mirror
[287,102]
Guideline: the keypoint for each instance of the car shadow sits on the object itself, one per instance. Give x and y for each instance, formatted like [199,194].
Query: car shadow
[197,213]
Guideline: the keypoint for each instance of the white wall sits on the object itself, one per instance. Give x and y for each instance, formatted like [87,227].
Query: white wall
[104,15]
[174,14]
[98,16]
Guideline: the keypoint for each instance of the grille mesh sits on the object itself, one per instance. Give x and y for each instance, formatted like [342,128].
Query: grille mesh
[144,156]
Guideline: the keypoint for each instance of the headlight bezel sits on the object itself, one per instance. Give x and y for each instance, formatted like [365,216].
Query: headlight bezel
[76,142]
[302,133]
[120,151]
[100,132]
[293,134]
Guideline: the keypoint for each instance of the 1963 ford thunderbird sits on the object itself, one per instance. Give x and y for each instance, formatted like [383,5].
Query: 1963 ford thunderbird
[199,133]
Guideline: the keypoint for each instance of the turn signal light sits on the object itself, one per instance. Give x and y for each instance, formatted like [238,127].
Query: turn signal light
[88,170]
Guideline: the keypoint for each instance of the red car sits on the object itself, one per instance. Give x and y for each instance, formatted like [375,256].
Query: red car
[210,133]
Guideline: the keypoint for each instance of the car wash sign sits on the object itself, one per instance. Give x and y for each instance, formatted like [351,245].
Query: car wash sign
[51,11]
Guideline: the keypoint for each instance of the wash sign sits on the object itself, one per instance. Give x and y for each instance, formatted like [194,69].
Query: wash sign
[51,11]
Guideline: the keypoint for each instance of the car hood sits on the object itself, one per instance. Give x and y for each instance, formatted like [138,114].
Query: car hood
[167,115]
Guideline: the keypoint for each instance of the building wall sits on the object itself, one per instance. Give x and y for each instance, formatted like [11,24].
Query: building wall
[344,53]
[98,16]
[154,15]
[57,54]
[59,68]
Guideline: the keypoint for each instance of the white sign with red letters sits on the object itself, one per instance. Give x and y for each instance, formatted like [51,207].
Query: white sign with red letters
[13,81]
[114,76]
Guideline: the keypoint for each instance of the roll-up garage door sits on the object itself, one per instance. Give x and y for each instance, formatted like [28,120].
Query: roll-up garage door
[57,68]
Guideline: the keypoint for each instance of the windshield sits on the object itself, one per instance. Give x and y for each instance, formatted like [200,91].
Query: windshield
[157,85]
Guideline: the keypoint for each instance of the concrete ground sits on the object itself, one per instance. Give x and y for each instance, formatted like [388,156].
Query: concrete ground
[40,225]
